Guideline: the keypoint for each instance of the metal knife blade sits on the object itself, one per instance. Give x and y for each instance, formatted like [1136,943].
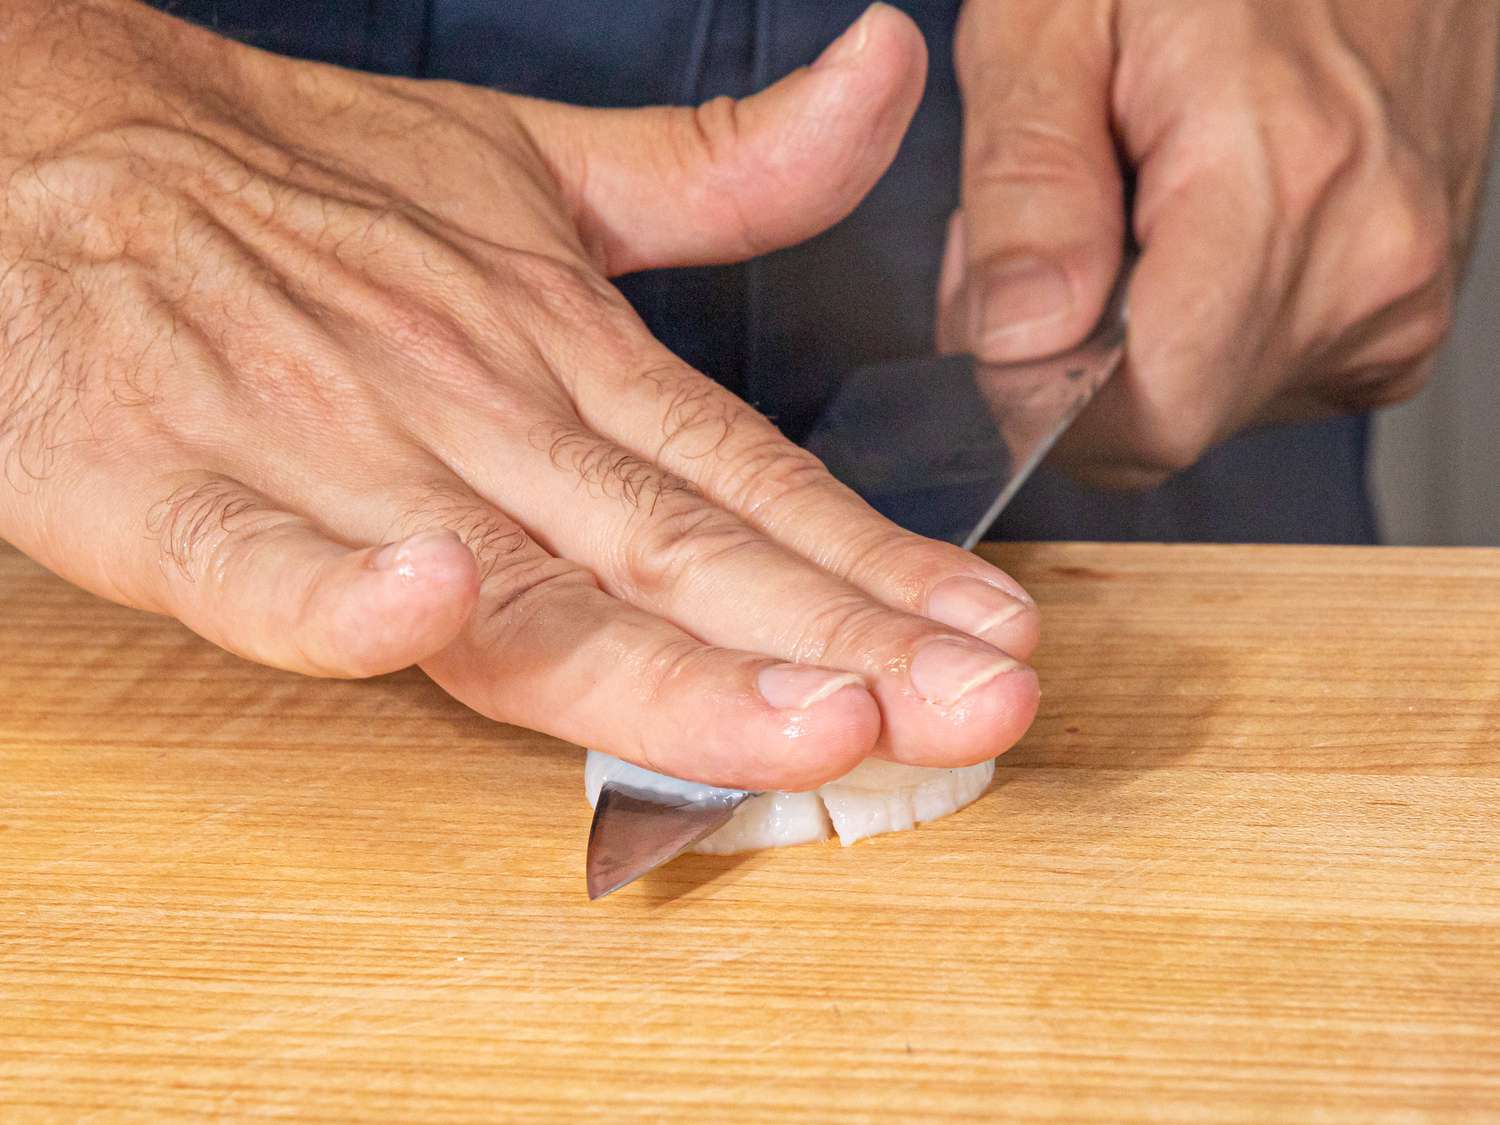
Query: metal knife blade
[635,831]
[944,454]
[941,455]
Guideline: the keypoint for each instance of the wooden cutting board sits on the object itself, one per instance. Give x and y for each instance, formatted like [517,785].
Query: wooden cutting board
[1246,866]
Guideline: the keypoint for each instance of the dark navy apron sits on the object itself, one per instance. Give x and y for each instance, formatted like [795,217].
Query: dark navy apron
[783,331]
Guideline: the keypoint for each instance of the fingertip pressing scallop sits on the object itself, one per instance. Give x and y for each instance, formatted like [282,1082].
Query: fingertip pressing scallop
[801,747]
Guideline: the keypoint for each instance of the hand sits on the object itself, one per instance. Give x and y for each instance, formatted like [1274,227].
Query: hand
[1306,182]
[261,316]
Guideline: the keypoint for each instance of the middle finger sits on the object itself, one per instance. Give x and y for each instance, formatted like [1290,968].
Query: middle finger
[946,699]
[664,411]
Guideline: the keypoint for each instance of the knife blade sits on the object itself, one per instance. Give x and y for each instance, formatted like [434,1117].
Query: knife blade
[941,455]
[635,831]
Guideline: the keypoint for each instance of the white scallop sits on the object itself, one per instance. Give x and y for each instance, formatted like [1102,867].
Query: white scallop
[874,797]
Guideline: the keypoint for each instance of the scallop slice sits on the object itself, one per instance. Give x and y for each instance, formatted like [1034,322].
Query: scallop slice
[872,798]
[877,796]
[772,820]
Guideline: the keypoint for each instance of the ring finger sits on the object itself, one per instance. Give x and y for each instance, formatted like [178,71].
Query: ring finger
[946,699]
[547,649]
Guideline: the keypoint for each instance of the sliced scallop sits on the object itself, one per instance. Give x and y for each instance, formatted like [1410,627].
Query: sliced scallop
[875,797]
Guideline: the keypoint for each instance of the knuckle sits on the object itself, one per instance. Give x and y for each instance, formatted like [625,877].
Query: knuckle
[521,606]
[1178,413]
[524,606]
[420,333]
[916,564]
[1419,250]
[516,576]
[666,668]
[697,415]
[518,585]
[1434,322]
[1315,150]
[751,465]
[1034,151]
[682,536]
[769,475]
[1386,385]
[503,551]
[705,146]
[508,559]
[1427,321]
[363,232]
[847,623]
[431,340]
[604,468]
[712,129]
[206,524]
[1408,249]
[567,294]
[1174,448]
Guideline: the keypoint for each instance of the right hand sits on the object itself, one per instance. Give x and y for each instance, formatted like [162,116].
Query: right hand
[258,315]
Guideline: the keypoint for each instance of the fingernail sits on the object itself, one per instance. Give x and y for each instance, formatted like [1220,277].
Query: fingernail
[944,671]
[405,555]
[1019,297]
[972,605]
[796,687]
[846,47]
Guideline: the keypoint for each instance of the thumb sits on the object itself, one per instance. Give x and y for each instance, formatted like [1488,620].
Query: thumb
[1042,190]
[730,179]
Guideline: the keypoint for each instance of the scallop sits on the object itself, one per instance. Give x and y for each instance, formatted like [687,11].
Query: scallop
[873,798]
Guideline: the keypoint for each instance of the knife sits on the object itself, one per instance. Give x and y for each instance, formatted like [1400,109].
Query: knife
[942,456]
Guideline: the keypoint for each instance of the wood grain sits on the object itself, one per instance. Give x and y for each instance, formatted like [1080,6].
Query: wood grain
[1246,867]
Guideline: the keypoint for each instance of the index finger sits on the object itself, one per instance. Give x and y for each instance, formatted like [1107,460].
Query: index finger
[664,410]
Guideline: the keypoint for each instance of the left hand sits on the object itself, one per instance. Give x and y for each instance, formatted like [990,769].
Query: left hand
[1306,181]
